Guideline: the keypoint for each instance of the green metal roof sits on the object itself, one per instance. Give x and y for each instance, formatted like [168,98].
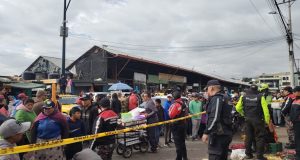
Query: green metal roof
[26,85]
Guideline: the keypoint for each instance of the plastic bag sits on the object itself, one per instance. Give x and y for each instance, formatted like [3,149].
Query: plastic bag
[238,154]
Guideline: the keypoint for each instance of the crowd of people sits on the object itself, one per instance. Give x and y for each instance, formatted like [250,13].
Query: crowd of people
[25,121]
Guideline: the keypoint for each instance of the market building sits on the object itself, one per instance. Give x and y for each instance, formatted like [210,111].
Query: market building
[98,68]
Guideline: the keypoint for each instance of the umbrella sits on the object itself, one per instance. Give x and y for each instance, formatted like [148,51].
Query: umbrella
[119,86]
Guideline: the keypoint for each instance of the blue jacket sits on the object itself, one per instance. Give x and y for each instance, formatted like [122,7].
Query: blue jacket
[166,107]
[15,105]
[76,129]
[48,128]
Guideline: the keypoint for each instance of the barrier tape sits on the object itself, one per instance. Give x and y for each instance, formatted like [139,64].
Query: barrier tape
[61,142]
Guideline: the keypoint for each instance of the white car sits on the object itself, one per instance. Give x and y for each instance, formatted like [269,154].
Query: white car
[97,93]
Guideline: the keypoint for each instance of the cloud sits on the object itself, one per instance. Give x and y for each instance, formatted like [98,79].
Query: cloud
[158,30]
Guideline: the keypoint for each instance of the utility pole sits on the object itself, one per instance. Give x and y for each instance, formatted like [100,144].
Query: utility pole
[289,34]
[290,42]
[64,35]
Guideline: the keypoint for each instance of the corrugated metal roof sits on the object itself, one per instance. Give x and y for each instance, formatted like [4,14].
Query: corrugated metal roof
[121,54]
[57,61]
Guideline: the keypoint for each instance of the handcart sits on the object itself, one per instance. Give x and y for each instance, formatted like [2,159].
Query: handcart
[136,140]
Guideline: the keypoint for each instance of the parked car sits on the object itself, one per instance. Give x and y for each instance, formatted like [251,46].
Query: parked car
[97,93]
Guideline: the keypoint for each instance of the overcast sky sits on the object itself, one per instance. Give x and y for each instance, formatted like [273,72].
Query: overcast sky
[170,31]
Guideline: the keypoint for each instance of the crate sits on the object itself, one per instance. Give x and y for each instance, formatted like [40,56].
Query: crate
[275,147]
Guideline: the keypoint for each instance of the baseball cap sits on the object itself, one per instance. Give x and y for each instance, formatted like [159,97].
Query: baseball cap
[105,102]
[12,127]
[85,97]
[48,104]
[296,89]
[170,95]
[22,95]
[213,82]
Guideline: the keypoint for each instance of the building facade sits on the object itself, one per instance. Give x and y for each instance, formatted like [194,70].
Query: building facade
[278,81]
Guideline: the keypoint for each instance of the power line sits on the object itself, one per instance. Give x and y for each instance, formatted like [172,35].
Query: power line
[197,49]
[296,45]
[263,19]
[251,53]
[281,16]
[276,18]
[128,46]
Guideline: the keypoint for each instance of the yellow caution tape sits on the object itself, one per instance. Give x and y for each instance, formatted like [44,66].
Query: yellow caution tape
[280,101]
[61,142]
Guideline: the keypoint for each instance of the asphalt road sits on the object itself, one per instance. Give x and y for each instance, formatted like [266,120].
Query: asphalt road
[197,150]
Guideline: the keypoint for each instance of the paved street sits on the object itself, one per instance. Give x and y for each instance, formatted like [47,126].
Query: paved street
[196,149]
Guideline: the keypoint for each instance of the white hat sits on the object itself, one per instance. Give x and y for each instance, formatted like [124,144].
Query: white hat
[169,95]
[12,127]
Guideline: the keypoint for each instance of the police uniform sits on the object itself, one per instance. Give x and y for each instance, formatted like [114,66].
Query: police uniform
[219,122]
[295,118]
[107,121]
[255,109]
[177,110]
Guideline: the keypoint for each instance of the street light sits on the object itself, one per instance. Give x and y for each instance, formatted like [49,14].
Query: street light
[273,12]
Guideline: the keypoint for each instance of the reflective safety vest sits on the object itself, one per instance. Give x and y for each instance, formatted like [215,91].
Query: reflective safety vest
[252,106]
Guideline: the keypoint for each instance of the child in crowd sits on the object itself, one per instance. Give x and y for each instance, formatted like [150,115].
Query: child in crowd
[76,129]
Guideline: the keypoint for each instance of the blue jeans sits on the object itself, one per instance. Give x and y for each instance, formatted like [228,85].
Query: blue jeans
[277,116]
[152,137]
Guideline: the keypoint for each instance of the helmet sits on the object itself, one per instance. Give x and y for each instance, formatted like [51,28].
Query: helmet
[263,86]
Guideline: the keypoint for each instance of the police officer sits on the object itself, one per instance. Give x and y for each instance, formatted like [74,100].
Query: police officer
[286,108]
[254,108]
[218,133]
[178,109]
[107,121]
[295,118]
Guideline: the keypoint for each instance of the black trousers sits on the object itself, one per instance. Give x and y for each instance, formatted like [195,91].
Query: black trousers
[297,139]
[178,131]
[201,129]
[218,147]
[255,130]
